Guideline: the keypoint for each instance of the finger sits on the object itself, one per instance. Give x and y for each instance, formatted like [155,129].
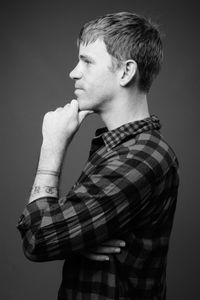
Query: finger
[48,113]
[106,250]
[96,257]
[114,243]
[59,108]
[66,105]
[74,105]
[83,114]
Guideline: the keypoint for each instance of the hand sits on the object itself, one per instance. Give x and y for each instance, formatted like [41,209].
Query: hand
[100,253]
[59,126]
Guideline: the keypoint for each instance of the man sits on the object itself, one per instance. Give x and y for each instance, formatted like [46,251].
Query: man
[128,188]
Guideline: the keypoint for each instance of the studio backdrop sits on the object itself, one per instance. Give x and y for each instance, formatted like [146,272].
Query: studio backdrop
[38,50]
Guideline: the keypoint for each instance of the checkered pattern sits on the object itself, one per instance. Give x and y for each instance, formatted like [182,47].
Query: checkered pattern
[127,190]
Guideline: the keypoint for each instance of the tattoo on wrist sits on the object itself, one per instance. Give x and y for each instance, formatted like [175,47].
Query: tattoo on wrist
[51,190]
[48,172]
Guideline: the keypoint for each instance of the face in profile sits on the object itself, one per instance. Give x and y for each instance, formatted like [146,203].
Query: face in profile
[96,83]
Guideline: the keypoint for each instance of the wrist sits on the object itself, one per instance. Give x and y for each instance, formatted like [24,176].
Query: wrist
[48,172]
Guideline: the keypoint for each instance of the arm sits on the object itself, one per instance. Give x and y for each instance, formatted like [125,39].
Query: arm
[95,210]
[58,130]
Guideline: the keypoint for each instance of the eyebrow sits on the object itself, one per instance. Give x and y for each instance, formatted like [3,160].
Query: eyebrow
[86,57]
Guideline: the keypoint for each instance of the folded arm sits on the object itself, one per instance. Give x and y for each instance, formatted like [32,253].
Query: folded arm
[103,204]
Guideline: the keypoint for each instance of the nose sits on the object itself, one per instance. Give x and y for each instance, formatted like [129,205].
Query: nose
[75,73]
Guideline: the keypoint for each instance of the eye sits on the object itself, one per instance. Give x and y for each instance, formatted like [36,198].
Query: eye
[86,61]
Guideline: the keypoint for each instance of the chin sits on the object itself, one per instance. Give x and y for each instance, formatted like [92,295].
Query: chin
[84,104]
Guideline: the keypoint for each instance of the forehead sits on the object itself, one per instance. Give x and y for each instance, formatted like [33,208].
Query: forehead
[96,50]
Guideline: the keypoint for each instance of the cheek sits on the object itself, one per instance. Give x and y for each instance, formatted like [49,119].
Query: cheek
[102,83]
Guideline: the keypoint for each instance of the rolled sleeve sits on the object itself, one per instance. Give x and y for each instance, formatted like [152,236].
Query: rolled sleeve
[102,205]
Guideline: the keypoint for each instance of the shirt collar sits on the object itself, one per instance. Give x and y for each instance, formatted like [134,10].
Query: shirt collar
[113,137]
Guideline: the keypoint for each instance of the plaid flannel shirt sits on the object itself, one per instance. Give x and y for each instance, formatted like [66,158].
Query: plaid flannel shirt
[127,190]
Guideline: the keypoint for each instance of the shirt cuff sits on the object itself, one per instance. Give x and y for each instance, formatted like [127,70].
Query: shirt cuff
[33,208]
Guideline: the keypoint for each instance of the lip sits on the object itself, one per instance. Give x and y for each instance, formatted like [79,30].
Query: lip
[78,87]
[78,91]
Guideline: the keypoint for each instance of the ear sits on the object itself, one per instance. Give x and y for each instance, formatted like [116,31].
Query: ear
[129,70]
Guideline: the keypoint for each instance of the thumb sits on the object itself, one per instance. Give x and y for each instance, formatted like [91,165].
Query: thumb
[74,105]
[83,114]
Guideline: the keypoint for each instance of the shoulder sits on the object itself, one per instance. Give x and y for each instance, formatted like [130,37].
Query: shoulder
[147,150]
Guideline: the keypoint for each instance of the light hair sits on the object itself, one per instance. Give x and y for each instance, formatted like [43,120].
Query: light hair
[128,36]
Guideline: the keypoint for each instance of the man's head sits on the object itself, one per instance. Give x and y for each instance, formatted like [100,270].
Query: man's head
[128,36]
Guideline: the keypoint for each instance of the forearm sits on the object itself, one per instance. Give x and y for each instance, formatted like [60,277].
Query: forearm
[58,130]
[43,221]
[47,179]
[94,210]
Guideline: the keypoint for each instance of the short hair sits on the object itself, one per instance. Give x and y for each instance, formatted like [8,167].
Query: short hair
[128,36]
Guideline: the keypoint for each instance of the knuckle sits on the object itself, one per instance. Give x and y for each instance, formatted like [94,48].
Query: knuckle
[59,109]
[46,116]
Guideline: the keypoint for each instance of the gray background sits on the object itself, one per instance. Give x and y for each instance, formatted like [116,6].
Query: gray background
[38,49]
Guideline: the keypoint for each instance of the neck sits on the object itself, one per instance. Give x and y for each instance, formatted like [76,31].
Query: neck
[125,109]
